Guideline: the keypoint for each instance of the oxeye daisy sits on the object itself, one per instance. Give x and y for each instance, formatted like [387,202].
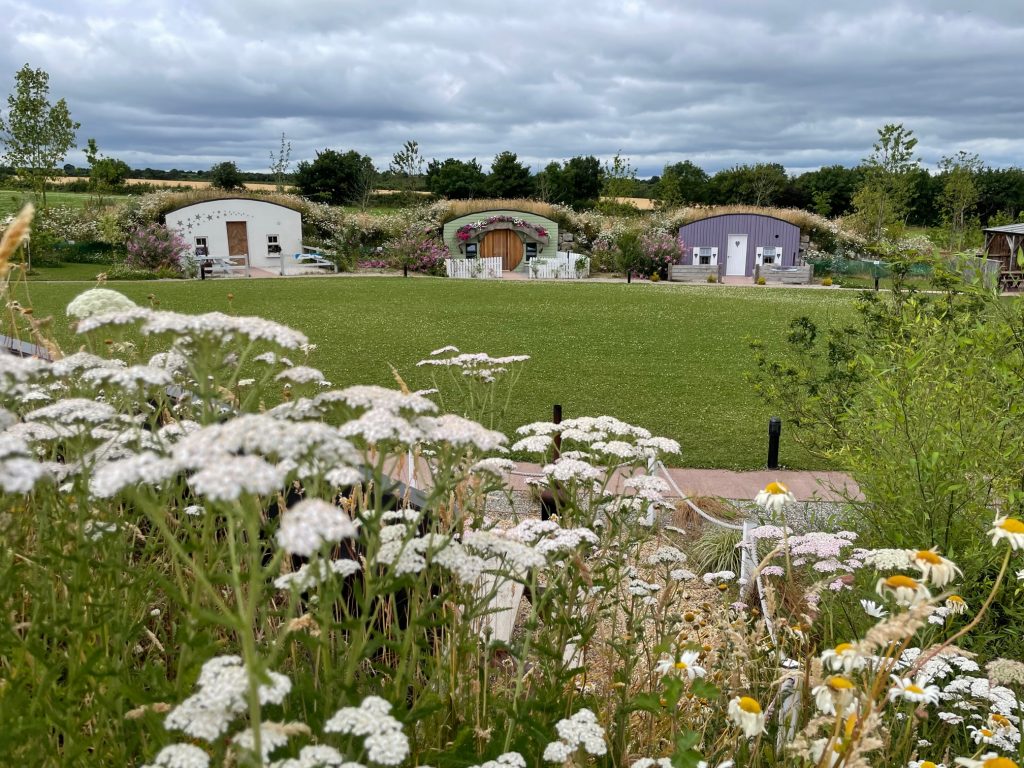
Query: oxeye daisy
[916,690]
[873,609]
[956,604]
[683,665]
[745,713]
[774,497]
[835,694]
[934,567]
[925,764]
[905,590]
[843,658]
[1000,723]
[988,760]
[1009,528]
[981,735]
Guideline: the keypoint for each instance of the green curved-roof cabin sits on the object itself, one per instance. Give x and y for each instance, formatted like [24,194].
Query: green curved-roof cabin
[516,237]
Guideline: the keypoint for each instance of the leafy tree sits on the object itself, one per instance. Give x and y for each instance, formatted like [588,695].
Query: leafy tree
[105,173]
[576,182]
[682,184]
[456,179]
[829,190]
[407,166]
[960,195]
[280,162]
[334,177]
[36,134]
[884,198]
[1000,194]
[226,176]
[619,177]
[761,184]
[509,178]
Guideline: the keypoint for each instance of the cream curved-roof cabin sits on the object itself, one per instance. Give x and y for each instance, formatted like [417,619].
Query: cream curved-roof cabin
[250,232]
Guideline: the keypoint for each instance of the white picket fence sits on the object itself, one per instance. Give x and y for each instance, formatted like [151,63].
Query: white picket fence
[564,266]
[488,269]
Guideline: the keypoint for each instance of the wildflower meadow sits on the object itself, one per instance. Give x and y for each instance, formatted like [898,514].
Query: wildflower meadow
[212,556]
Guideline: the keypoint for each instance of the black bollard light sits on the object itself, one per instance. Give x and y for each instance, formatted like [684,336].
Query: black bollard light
[629,275]
[549,498]
[774,433]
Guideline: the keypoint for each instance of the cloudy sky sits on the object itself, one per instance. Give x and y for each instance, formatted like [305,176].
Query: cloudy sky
[186,84]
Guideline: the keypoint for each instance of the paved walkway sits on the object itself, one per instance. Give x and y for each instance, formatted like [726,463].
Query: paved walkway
[728,484]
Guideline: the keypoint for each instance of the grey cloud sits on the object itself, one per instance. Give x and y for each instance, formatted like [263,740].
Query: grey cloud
[716,81]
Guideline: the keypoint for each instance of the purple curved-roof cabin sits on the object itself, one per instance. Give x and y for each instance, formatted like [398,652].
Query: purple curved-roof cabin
[740,241]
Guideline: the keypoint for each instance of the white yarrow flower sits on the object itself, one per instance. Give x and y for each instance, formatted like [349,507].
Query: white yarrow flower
[311,523]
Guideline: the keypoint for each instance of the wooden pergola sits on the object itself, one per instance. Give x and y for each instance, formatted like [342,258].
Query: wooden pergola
[1003,244]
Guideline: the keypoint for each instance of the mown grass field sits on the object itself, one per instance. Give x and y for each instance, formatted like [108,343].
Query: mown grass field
[12,200]
[673,359]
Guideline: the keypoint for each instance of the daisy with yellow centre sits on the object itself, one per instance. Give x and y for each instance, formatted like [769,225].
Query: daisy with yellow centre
[988,760]
[956,604]
[843,658]
[836,694]
[774,497]
[684,665]
[903,589]
[1009,528]
[934,567]
[981,735]
[916,690]
[1000,723]
[925,764]
[745,713]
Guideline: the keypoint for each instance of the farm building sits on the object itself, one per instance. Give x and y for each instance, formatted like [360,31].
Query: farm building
[252,233]
[517,237]
[1006,245]
[740,242]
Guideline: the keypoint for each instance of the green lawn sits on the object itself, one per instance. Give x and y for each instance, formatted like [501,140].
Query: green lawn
[667,357]
[64,272]
[12,200]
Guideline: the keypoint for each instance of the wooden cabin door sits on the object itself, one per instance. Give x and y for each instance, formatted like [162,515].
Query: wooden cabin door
[238,240]
[504,243]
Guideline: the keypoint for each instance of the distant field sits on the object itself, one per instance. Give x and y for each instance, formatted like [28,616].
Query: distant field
[670,358]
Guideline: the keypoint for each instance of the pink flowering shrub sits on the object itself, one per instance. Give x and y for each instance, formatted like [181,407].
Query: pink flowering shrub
[154,247]
[660,250]
[416,251]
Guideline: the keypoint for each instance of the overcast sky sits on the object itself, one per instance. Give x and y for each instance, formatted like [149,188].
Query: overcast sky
[805,83]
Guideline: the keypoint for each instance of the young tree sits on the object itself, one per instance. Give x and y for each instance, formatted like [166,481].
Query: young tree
[619,177]
[280,162]
[883,200]
[226,176]
[960,195]
[36,134]
[407,166]
[509,178]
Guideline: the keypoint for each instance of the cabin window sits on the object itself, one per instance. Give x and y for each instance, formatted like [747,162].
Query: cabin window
[531,251]
[201,248]
[273,244]
[769,255]
[471,251]
[704,256]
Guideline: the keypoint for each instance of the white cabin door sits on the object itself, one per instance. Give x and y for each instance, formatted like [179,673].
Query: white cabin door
[736,261]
